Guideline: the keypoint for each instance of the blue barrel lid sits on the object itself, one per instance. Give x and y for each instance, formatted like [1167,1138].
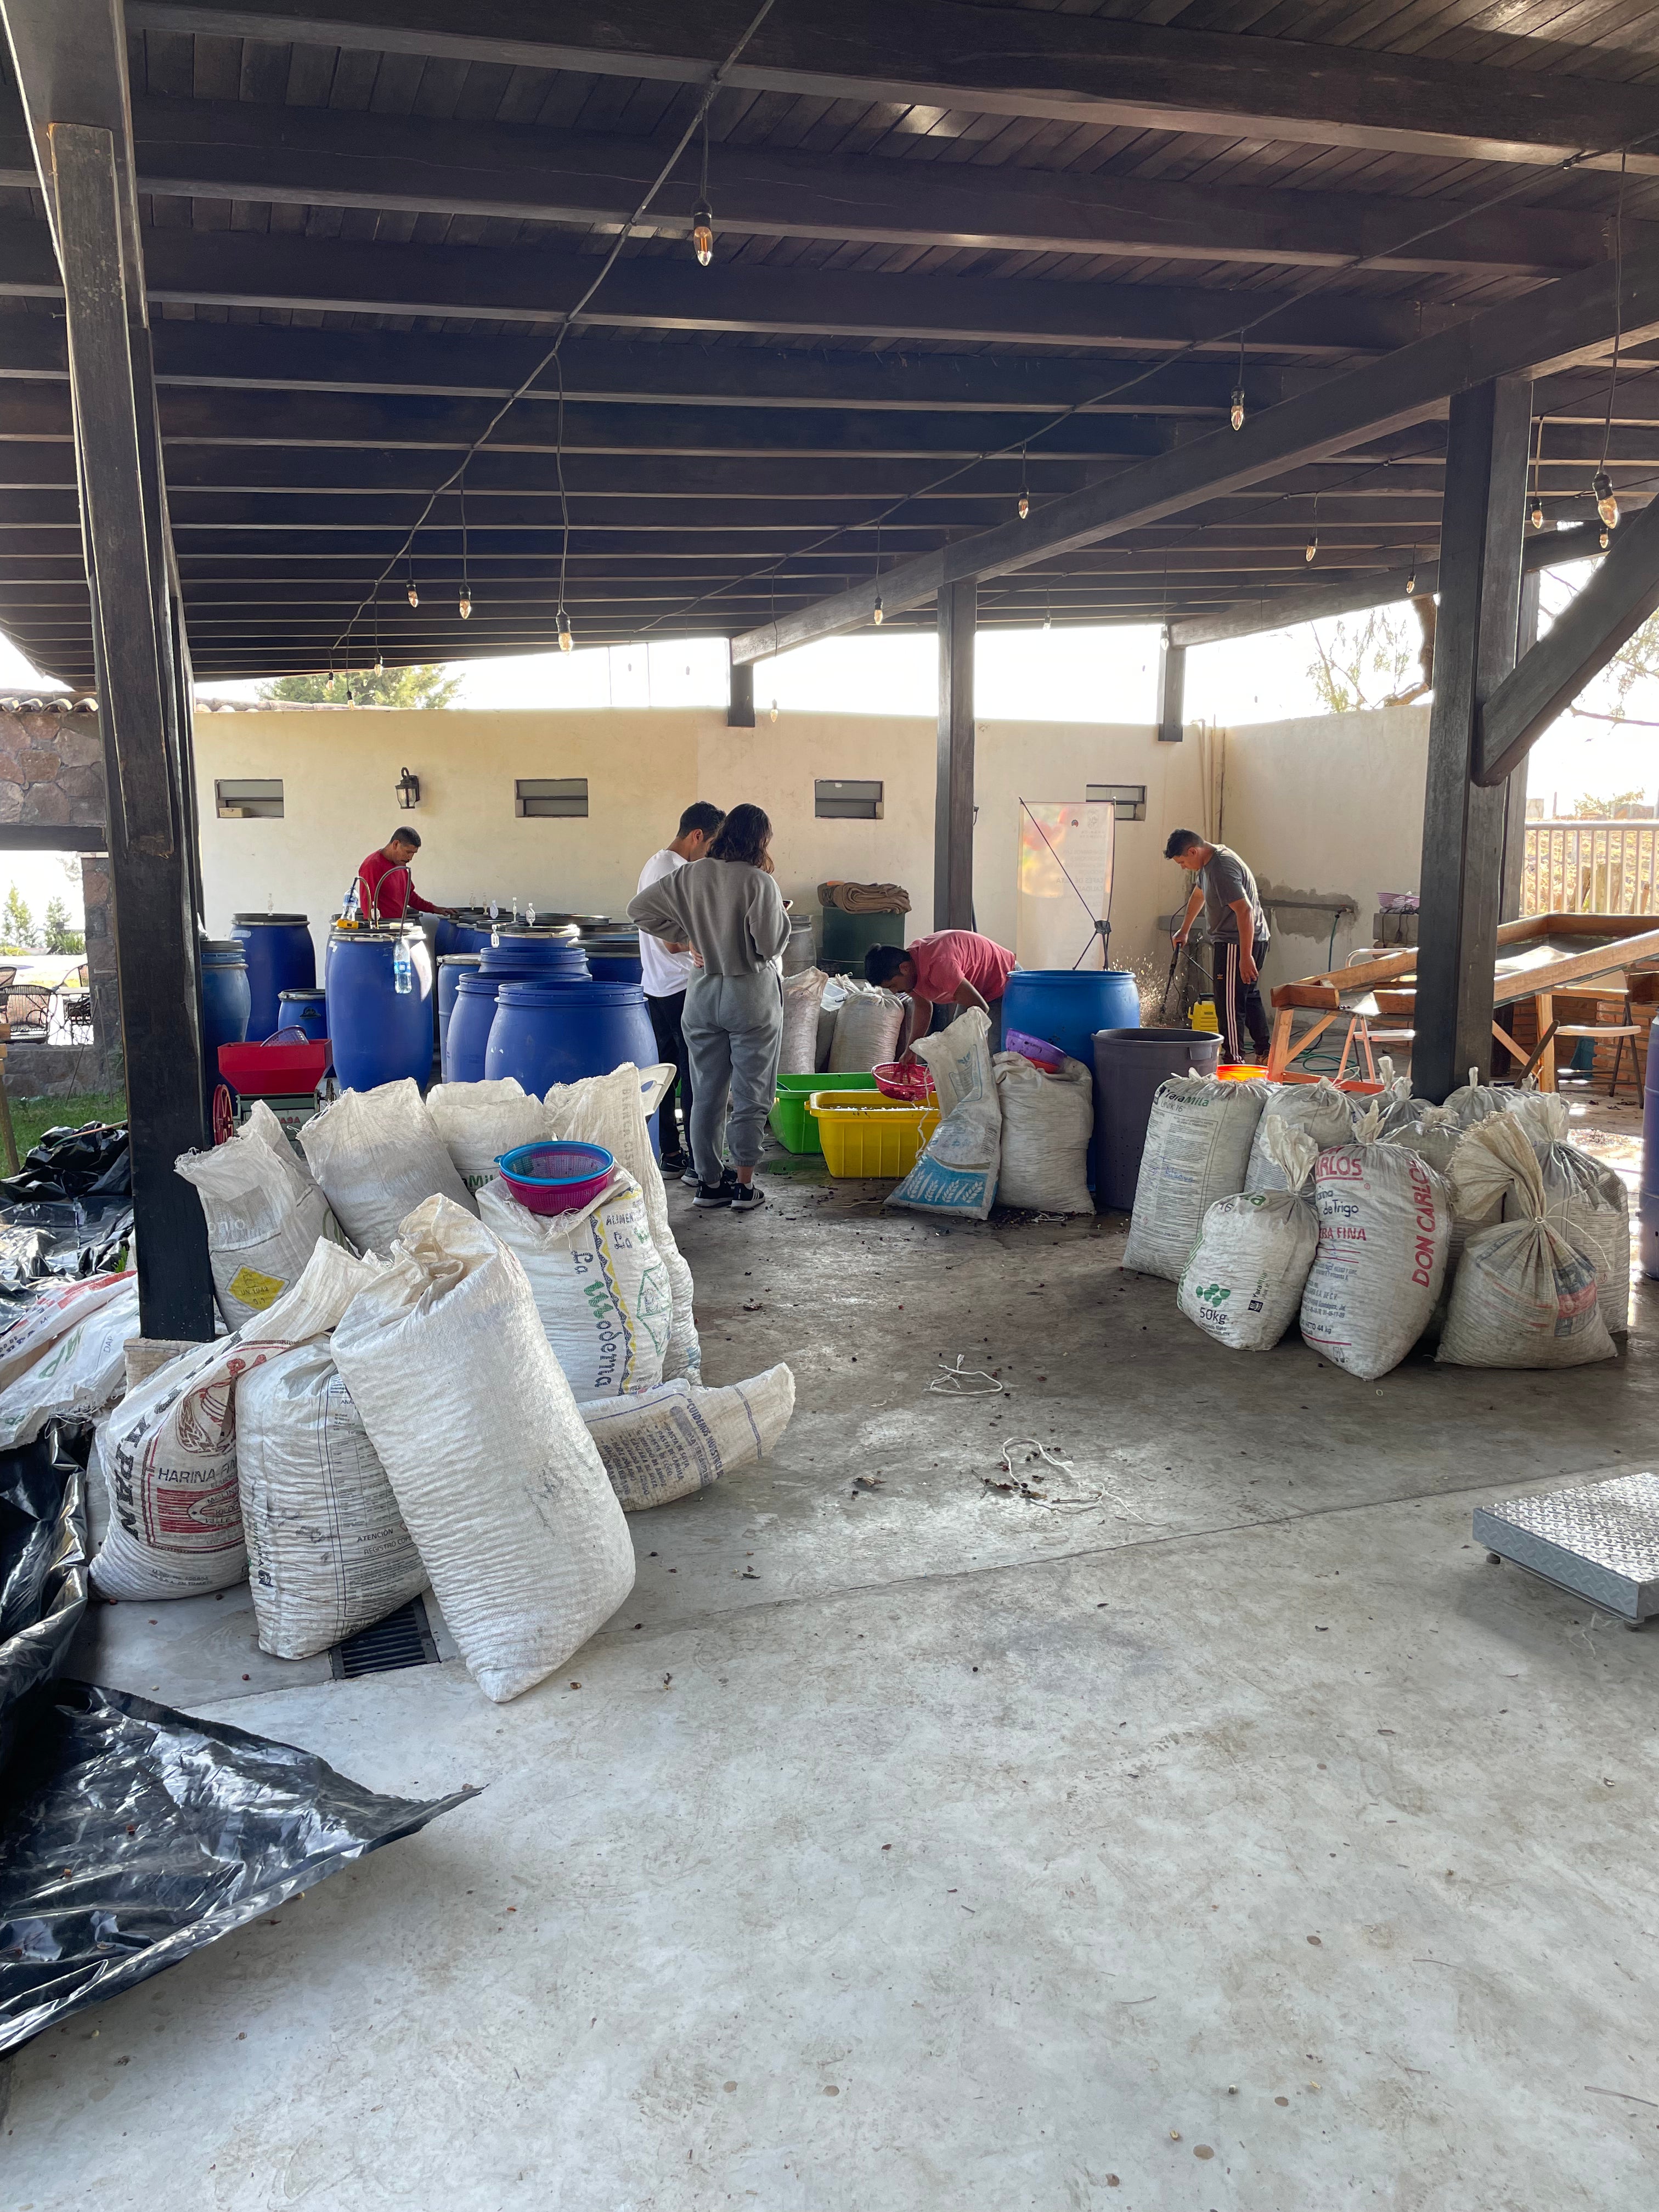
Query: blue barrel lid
[223,952]
[307,991]
[269,921]
[549,992]
[458,959]
[1075,978]
[382,933]
[478,987]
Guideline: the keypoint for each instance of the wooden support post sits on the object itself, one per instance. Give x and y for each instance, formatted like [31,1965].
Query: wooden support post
[1171,691]
[156,947]
[1514,789]
[1482,530]
[953,809]
[740,702]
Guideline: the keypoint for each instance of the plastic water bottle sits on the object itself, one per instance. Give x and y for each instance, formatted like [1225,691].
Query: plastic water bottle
[530,916]
[403,972]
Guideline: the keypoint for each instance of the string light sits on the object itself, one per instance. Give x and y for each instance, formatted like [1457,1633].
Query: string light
[414,596]
[379,664]
[1310,551]
[465,604]
[1604,540]
[1606,505]
[878,610]
[703,215]
[774,710]
[1600,484]
[1024,488]
[464,607]
[1236,406]
[565,639]
[1411,575]
[1536,517]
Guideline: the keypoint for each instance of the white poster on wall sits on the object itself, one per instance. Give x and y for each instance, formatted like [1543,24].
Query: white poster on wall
[1063,883]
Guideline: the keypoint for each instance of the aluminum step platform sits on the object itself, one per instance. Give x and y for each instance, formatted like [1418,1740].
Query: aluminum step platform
[1598,1541]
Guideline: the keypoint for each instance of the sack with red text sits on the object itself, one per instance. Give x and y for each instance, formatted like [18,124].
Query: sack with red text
[1384,1227]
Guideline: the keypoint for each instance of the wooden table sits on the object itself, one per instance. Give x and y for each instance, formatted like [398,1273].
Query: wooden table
[1537,958]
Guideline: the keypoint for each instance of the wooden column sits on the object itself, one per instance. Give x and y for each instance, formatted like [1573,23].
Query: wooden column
[1514,787]
[1171,691]
[138,676]
[953,807]
[1481,531]
[740,702]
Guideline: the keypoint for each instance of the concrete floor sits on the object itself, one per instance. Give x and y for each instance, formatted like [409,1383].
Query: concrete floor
[1240,1840]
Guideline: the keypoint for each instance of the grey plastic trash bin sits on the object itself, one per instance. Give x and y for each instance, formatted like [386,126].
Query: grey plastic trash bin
[1129,1064]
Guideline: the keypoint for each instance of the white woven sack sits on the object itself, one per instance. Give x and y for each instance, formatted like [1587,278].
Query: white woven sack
[327,1551]
[803,996]
[1525,1296]
[1435,1133]
[1197,1146]
[1384,1227]
[477,1122]
[1047,1123]
[600,1289]
[79,1364]
[1243,1284]
[52,1314]
[377,1154]
[666,1443]
[492,1466]
[956,1174]
[866,1029]
[1476,1101]
[264,1212]
[1585,1199]
[834,999]
[609,1110]
[1319,1109]
[169,1450]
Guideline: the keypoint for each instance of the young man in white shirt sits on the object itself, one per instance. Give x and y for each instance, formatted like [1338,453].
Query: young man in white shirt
[665,968]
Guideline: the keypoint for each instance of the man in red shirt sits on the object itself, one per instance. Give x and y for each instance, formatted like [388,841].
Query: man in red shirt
[950,968]
[384,883]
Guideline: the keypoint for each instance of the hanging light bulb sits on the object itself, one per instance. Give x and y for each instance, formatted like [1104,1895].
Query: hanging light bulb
[564,631]
[1410,578]
[774,710]
[414,596]
[379,664]
[1606,505]
[1236,411]
[877,611]
[702,232]
[1604,538]
[1025,503]
[465,604]
[1536,517]
[1310,551]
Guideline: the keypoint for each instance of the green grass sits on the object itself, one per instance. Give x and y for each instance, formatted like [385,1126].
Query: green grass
[31,1117]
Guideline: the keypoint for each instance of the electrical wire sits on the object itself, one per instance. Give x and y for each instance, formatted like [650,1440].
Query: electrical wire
[569,315]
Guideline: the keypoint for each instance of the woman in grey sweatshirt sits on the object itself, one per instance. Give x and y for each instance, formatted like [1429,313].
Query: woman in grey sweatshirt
[729,907]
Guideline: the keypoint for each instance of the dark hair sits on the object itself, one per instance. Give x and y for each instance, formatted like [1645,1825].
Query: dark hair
[745,835]
[700,815]
[403,836]
[883,962]
[1179,841]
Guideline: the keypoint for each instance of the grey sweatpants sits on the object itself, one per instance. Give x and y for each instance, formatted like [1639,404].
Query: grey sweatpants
[733,1027]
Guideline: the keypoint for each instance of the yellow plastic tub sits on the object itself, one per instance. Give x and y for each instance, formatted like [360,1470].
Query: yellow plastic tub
[865,1134]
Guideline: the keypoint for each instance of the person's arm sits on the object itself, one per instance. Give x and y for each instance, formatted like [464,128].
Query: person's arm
[1246,920]
[1191,915]
[368,885]
[421,906]
[658,913]
[965,995]
[768,917]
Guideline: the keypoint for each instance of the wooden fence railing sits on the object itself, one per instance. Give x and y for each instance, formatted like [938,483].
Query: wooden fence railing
[1591,867]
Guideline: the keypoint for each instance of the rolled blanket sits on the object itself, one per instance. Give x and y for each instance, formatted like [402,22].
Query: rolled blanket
[865,898]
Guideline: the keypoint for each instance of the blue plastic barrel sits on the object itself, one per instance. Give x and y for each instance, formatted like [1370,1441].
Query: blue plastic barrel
[1068,1005]
[613,955]
[522,956]
[557,1032]
[450,969]
[303,1009]
[466,1037]
[225,1000]
[377,1033]
[280,957]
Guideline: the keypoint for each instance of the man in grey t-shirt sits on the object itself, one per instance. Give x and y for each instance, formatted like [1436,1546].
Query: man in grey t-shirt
[1238,935]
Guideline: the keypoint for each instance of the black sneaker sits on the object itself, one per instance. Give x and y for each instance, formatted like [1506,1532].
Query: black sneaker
[690,1177]
[672,1163]
[714,1194]
[747,1198]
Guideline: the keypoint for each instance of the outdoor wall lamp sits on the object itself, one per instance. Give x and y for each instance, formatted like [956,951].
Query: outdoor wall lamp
[408,791]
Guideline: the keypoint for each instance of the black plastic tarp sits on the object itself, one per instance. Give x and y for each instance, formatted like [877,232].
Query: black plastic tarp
[132,1834]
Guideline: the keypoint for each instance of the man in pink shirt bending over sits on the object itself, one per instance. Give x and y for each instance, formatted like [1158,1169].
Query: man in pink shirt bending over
[950,968]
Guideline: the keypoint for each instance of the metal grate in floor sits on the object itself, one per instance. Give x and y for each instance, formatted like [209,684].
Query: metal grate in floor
[404,1639]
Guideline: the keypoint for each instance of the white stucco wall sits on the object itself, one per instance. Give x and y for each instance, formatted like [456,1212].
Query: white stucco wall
[339,769]
[1328,805]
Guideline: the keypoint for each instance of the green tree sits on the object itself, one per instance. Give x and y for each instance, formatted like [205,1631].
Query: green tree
[429,686]
[17,923]
[1591,808]
[60,937]
[1364,665]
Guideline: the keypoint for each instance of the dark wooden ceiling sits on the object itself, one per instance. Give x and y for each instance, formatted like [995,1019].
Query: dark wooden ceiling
[942,231]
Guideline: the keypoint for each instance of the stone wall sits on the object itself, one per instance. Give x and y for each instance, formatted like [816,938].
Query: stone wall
[51,769]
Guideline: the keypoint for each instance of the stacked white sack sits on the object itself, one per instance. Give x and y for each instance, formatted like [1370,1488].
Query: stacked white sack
[477,1122]
[1583,1198]
[600,1287]
[1525,1295]
[956,1174]
[328,1553]
[803,999]
[377,1154]
[866,1028]
[1384,1225]
[610,1111]
[64,1357]
[1197,1146]
[1319,1109]
[265,1213]
[489,1457]
[1047,1123]
[1243,1284]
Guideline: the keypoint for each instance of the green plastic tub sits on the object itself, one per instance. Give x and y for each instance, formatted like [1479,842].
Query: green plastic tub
[789,1120]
